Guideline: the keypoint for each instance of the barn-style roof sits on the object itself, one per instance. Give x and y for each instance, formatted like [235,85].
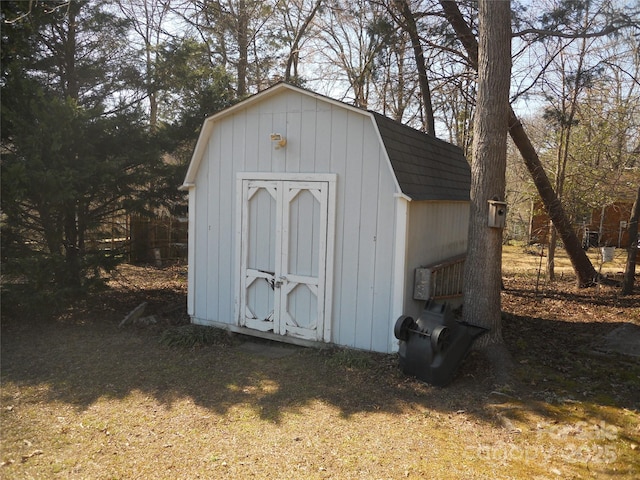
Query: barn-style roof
[426,167]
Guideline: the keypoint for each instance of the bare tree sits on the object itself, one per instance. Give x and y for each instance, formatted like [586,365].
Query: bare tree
[147,17]
[397,88]
[238,38]
[589,86]
[454,98]
[297,22]
[404,16]
[350,43]
[585,272]
[562,115]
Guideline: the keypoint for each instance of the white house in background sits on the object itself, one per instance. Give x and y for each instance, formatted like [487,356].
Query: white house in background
[308,217]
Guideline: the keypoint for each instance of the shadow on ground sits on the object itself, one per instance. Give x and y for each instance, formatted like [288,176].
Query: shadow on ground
[82,356]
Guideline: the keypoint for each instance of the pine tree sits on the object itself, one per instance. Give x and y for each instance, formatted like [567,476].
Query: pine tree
[73,154]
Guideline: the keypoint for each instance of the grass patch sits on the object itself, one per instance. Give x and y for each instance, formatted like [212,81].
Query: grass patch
[82,398]
[192,336]
[349,359]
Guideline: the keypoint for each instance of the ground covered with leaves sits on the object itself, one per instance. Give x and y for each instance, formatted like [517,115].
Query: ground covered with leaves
[83,397]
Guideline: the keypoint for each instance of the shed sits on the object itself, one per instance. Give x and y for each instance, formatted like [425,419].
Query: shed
[308,217]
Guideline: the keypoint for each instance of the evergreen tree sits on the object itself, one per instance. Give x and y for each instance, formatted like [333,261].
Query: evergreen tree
[75,150]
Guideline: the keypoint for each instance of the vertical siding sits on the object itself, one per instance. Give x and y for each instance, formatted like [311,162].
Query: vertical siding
[342,320]
[308,137]
[251,145]
[293,152]
[367,251]
[321,138]
[191,253]
[437,230]
[213,226]
[201,239]
[224,201]
[245,155]
[323,129]
[262,138]
[351,228]
[382,337]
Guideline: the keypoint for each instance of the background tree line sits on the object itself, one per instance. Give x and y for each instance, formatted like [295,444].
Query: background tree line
[102,100]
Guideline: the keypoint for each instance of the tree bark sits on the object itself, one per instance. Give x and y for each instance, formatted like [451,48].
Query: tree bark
[292,59]
[72,273]
[243,48]
[482,275]
[412,29]
[585,272]
[632,251]
[68,70]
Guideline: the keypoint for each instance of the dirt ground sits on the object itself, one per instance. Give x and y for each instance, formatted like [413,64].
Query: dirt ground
[83,398]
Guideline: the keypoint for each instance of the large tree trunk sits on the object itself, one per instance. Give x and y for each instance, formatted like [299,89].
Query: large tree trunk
[585,272]
[482,275]
[632,251]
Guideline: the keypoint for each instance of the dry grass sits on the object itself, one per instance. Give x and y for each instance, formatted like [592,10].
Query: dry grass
[532,261]
[82,398]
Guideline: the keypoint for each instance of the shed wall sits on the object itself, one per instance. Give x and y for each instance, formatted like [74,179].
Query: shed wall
[437,231]
[321,138]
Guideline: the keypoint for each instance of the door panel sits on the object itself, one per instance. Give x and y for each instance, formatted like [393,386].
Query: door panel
[283,257]
[260,207]
[302,311]
[302,306]
[304,225]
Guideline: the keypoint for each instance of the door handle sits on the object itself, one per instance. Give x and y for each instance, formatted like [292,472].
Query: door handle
[278,283]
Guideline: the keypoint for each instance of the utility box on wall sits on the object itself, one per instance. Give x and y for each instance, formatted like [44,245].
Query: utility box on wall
[497,214]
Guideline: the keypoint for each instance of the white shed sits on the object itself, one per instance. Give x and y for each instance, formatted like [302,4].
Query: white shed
[308,217]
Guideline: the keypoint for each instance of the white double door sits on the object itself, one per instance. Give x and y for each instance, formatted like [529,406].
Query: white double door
[284,255]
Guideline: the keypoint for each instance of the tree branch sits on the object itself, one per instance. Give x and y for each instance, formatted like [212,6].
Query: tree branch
[608,30]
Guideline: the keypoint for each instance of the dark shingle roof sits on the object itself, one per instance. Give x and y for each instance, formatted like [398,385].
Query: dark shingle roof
[426,168]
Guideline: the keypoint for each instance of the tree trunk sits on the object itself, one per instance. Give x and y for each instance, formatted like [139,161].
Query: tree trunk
[482,275]
[292,59]
[243,48]
[418,52]
[632,251]
[72,277]
[68,71]
[551,253]
[583,267]
[585,272]
[151,90]
[567,119]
